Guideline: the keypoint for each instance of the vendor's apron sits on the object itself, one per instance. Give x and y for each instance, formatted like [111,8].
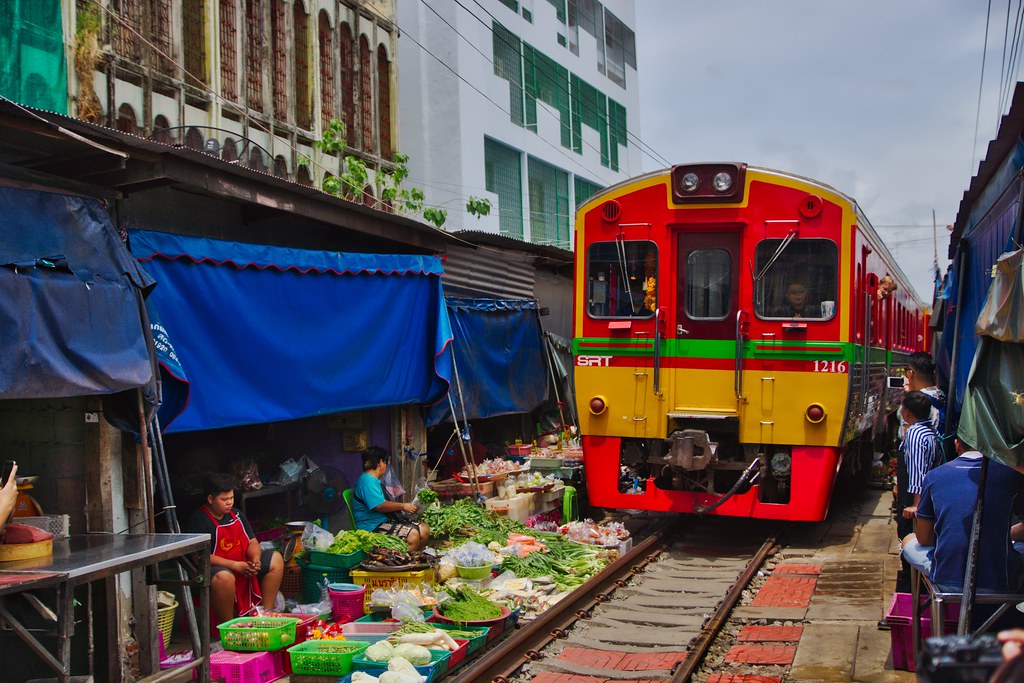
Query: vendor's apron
[230,543]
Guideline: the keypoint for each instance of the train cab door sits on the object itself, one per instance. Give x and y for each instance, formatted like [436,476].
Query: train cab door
[707,304]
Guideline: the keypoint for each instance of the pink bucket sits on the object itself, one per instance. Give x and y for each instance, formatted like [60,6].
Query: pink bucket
[346,601]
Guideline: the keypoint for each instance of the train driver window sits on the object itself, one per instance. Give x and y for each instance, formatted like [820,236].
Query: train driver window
[622,279]
[796,280]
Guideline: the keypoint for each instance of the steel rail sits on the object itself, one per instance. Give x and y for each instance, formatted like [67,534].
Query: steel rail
[702,643]
[526,644]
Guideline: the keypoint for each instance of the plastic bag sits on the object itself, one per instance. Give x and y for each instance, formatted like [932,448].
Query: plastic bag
[290,471]
[471,554]
[407,611]
[316,538]
[392,485]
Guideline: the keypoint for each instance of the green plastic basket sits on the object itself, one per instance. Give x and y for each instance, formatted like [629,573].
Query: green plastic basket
[325,657]
[321,559]
[474,573]
[254,634]
[314,576]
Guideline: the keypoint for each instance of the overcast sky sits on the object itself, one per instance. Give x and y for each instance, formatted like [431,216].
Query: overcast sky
[877,98]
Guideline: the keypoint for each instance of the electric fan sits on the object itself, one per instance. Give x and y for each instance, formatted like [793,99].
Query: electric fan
[322,491]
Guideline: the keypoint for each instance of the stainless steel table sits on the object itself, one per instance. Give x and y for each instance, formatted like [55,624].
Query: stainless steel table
[82,559]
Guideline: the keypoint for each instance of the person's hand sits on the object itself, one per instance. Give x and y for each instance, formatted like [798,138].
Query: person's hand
[409,507]
[240,567]
[908,513]
[1013,643]
[9,495]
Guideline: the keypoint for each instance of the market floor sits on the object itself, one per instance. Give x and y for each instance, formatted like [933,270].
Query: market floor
[815,615]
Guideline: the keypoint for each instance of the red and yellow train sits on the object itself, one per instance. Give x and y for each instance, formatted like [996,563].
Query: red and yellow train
[734,331]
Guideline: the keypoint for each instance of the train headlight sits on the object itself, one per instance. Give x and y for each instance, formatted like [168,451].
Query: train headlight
[690,182]
[815,413]
[598,405]
[722,182]
[782,465]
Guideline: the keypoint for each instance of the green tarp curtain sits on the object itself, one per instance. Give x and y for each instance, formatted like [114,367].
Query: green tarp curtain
[993,413]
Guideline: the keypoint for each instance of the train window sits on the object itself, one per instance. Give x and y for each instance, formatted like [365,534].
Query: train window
[622,279]
[708,284]
[796,280]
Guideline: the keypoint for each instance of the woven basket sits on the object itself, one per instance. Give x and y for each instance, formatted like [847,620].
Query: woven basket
[165,621]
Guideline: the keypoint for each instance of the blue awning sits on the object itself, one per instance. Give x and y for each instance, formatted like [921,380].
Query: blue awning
[266,333]
[71,300]
[500,360]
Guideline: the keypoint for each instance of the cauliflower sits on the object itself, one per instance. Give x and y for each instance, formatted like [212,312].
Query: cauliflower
[381,651]
[417,655]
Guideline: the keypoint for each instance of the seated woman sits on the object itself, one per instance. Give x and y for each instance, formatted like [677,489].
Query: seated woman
[374,512]
[242,575]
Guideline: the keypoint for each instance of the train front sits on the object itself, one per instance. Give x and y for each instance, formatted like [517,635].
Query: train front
[712,342]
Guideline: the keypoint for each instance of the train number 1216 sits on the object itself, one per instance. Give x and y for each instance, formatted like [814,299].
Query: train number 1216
[830,366]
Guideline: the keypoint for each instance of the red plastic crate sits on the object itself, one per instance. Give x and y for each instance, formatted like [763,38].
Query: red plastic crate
[247,667]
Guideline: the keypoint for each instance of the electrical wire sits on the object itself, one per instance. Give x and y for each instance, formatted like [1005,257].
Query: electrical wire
[981,81]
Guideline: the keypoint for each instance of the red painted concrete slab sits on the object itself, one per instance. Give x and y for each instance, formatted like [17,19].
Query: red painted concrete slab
[761,654]
[806,569]
[770,634]
[620,661]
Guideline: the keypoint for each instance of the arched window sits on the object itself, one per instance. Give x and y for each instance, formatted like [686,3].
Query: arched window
[230,150]
[302,176]
[127,122]
[256,160]
[162,132]
[326,71]
[254,54]
[368,198]
[193,22]
[384,101]
[348,95]
[194,139]
[228,49]
[279,46]
[366,94]
[280,167]
[303,113]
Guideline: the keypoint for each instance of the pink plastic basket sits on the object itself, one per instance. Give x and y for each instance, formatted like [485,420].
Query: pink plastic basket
[346,601]
[246,667]
[901,631]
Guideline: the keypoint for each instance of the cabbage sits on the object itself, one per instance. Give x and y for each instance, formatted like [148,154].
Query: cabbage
[380,651]
[363,677]
[417,655]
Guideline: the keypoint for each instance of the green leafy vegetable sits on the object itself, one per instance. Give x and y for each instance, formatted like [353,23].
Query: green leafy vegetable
[347,542]
[468,605]
[426,496]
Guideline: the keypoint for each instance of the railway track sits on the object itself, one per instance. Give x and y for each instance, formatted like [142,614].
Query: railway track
[651,615]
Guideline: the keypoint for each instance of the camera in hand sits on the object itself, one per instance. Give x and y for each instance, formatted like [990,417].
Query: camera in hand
[896,382]
[8,468]
[959,659]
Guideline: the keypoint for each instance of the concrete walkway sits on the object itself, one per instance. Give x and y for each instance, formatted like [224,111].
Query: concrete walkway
[814,615]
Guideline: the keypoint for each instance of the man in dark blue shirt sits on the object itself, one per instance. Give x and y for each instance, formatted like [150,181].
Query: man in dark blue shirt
[940,543]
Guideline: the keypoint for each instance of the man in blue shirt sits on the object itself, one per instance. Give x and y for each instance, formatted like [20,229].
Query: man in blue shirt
[940,543]
[374,512]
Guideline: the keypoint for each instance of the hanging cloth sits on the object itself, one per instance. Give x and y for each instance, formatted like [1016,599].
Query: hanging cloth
[230,542]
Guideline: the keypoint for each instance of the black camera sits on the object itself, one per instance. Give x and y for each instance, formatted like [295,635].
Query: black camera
[896,382]
[959,659]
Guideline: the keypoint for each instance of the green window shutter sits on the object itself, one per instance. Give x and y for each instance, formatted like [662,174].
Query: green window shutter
[503,177]
[584,190]
[32,65]
[511,4]
[617,126]
[549,204]
[508,64]
[530,86]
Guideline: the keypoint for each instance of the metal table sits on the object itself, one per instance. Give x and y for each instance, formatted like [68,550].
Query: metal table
[82,559]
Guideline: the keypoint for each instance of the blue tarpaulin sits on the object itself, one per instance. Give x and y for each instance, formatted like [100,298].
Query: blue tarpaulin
[266,333]
[500,359]
[71,300]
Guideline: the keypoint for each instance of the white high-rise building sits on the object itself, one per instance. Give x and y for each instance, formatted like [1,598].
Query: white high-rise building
[526,103]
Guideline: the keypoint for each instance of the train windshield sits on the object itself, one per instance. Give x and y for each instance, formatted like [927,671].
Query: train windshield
[622,279]
[798,280]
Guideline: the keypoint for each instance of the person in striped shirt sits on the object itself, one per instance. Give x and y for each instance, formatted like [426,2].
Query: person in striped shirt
[916,457]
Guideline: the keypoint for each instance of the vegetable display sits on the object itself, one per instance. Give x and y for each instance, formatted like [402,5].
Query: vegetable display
[468,605]
[569,565]
[466,519]
[347,542]
[427,497]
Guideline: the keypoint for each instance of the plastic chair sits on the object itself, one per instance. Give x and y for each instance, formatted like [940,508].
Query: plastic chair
[347,495]
[570,506]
